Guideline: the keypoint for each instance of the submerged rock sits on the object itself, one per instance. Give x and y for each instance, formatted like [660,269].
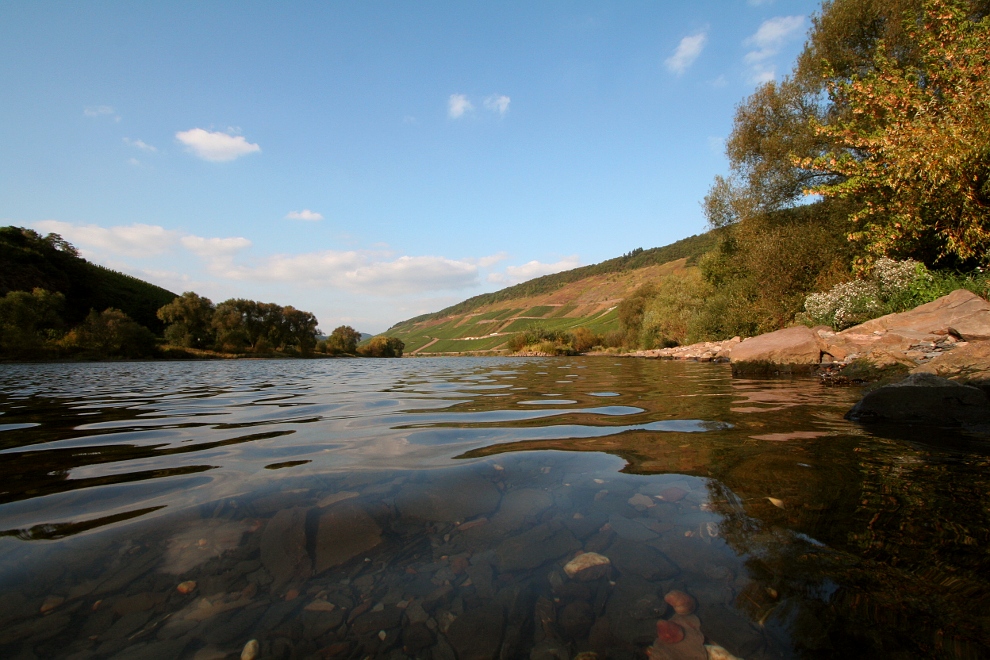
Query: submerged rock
[923,398]
[283,546]
[450,499]
[587,566]
[344,532]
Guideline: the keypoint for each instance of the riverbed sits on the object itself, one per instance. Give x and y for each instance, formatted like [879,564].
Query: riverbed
[426,509]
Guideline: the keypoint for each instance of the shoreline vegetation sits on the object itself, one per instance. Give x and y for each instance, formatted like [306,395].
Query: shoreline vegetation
[858,186]
[56,306]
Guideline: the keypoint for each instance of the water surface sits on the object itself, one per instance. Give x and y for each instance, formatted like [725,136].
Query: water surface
[426,508]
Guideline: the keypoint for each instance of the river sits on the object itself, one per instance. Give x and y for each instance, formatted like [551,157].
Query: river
[426,508]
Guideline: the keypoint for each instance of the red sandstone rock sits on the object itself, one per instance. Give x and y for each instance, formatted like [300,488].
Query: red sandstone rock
[681,602]
[669,632]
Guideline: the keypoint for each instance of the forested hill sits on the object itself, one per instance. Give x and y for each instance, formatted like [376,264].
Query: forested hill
[29,261]
[687,248]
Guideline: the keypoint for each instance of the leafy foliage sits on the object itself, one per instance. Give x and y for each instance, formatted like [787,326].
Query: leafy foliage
[916,147]
[383,346]
[29,261]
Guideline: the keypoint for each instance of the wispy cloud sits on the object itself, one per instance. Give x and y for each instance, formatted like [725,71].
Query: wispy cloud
[767,42]
[687,52]
[305,214]
[140,144]
[527,271]
[95,111]
[137,240]
[364,272]
[215,146]
[498,103]
[457,105]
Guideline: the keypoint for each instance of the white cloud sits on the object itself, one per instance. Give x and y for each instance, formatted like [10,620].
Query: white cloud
[305,214]
[364,272]
[489,261]
[134,162]
[457,105]
[759,3]
[137,240]
[101,111]
[139,144]
[516,274]
[767,42]
[215,146]
[498,103]
[214,247]
[687,52]
[716,144]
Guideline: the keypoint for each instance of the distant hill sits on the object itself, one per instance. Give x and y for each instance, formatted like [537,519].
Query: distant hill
[585,296]
[29,261]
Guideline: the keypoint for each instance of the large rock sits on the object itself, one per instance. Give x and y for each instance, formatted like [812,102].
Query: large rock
[961,312]
[283,546]
[967,363]
[448,498]
[797,345]
[923,398]
[345,531]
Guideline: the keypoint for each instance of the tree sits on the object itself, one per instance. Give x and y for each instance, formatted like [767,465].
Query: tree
[189,320]
[300,329]
[25,319]
[383,346]
[343,339]
[111,333]
[916,147]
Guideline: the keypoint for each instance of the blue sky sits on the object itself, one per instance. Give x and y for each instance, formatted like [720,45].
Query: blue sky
[372,161]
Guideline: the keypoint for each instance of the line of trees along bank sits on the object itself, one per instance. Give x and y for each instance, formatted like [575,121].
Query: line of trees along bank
[247,326]
[871,156]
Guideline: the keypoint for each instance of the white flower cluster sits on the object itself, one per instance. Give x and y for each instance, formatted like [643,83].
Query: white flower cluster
[853,302]
[896,276]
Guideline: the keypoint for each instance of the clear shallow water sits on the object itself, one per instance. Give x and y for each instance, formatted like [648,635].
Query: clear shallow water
[425,508]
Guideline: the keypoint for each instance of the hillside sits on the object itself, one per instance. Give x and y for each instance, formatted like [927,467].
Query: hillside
[29,261]
[585,296]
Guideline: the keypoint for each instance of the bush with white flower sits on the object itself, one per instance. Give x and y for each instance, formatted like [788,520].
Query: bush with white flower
[890,286]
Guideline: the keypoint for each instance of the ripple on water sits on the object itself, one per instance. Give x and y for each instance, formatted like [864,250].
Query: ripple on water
[367,498]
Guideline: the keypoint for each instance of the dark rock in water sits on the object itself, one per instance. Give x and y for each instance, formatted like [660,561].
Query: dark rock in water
[345,531]
[642,560]
[629,529]
[283,546]
[633,610]
[371,622]
[576,619]
[448,499]
[535,547]
[317,624]
[236,626]
[923,398]
[481,577]
[729,629]
[417,637]
[477,634]
[521,506]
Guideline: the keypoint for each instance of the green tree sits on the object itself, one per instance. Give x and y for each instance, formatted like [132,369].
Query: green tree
[383,347]
[189,321]
[343,339]
[916,147]
[28,319]
[111,333]
[300,330]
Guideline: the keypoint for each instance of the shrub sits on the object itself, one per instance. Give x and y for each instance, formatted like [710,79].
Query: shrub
[111,333]
[583,340]
[891,286]
[383,347]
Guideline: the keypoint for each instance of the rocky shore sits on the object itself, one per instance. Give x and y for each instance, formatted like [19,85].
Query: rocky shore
[942,343]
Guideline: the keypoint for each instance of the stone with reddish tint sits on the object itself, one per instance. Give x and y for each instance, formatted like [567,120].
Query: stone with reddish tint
[669,632]
[681,602]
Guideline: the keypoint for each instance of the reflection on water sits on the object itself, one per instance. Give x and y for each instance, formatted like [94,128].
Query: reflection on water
[426,508]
